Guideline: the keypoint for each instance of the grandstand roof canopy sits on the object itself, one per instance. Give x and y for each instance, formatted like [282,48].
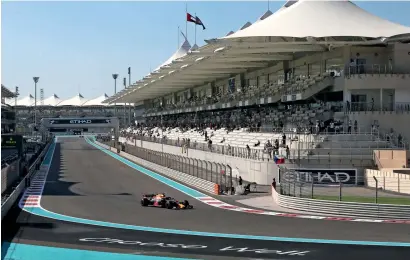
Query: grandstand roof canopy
[98,101]
[307,19]
[182,51]
[54,100]
[6,93]
[297,27]
[77,100]
[26,101]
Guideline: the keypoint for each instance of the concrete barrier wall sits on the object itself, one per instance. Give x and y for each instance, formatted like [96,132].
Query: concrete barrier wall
[341,208]
[388,180]
[391,158]
[10,174]
[261,172]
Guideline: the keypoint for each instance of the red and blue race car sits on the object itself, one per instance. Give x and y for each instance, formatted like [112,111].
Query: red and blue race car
[161,201]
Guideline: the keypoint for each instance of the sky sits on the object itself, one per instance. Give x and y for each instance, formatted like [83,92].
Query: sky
[75,47]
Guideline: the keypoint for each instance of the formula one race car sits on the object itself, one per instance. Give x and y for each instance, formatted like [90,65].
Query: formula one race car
[161,201]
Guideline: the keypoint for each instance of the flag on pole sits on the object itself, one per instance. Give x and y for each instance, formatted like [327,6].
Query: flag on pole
[199,22]
[190,18]
[195,20]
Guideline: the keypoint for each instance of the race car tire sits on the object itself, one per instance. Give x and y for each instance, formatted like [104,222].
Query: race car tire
[169,205]
[144,202]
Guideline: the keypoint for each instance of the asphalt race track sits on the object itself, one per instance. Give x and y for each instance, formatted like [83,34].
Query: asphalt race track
[87,183]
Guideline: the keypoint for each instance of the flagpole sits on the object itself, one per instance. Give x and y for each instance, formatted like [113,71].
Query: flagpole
[178,38]
[268,5]
[186,20]
[195,29]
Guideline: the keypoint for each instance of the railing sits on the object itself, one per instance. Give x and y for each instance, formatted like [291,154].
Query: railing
[9,200]
[311,150]
[348,209]
[218,173]
[398,107]
[368,69]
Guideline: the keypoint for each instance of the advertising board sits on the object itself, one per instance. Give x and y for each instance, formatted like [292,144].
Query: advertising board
[319,176]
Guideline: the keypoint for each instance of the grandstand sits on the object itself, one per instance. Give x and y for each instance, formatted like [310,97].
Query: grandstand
[336,92]
[8,117]
[77,105]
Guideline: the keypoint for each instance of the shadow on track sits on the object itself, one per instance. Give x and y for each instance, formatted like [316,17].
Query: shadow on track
[56,185]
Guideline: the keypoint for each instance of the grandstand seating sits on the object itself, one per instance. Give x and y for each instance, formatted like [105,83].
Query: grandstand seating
[305,86]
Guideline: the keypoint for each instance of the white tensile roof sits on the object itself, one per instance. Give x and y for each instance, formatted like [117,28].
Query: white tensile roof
[182,51]
[322,19]
[26,101]
[77,100]
[248,24]
[297,27]
[54,100]
[265,15]
[97,101]
[194,47]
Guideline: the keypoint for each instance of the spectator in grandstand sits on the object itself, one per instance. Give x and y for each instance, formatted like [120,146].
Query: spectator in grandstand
[210,144]
[355,126]
[275,149]
[240,181]
[257,144]
[223,140]
[248,149]
[317,127]
[268,149]
[284,139]
[399,140]
[287,152]
[274,183]
[349,128]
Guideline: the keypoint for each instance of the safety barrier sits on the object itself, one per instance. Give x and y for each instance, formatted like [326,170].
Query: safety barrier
[173,167]
[10,174]
[24,183]
[365,210]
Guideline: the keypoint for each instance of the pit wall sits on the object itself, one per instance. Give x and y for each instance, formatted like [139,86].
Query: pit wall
[388,180]
[250,170]
[391,158]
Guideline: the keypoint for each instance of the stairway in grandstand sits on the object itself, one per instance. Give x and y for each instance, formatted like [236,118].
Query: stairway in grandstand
[302,89]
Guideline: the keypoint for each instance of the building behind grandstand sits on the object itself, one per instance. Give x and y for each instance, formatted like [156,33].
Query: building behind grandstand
[324,67]
[76,106]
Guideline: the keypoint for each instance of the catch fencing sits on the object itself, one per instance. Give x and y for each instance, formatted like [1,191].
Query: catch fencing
[341,186]
[218,173]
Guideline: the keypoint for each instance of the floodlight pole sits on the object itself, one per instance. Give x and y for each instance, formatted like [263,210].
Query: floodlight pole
[129,104]
[35,79]
[115,76]
[125,104]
